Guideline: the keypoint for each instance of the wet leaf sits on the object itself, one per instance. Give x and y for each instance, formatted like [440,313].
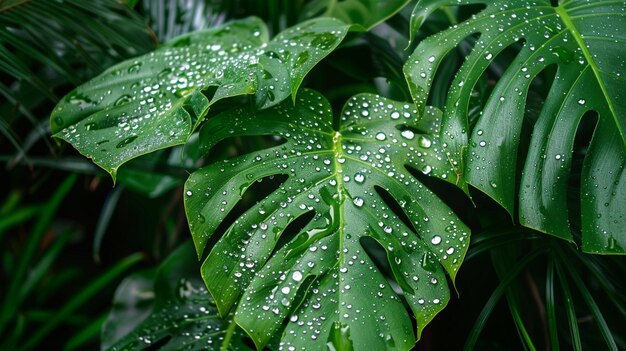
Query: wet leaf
[322,283]
[170,308]
[589,52]
[157,100]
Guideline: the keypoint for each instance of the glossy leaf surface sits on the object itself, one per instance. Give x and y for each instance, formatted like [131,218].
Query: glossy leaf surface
[171,308]
[322,283]
[157,100]
[585,41]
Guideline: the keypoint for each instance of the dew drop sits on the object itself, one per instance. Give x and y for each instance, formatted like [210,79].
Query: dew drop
[296,276]
[424,142]
[408,134]
[358,202]
[359,178]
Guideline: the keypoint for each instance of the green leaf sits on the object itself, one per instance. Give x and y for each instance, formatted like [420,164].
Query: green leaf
[322,283]
[585,42]
[367,13]
[172,303]
[157,100]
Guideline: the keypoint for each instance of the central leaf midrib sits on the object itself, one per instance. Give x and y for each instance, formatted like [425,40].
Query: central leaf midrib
[562,12]
[338,153]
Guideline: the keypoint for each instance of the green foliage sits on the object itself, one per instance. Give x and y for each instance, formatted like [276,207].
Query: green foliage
[338,174]
[494,155]
[157,101]
[171,302]
[336,216]
[366,13]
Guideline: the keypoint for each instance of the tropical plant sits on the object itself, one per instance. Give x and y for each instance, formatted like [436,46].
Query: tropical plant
[342,161]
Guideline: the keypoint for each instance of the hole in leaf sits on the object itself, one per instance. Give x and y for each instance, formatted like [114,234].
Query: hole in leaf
[293,229]
[159,344]
[584,134]
[404,127]
[460,204]
[447,69]
[379,257]
[484,86]
[395,207]
[465,12]
[236,146]
[536,96]
[210,92]
[254,193]
[302,292]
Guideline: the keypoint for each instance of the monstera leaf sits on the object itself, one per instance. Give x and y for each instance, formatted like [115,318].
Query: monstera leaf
[170,308]
[589,52]
[322,287]
[157,100]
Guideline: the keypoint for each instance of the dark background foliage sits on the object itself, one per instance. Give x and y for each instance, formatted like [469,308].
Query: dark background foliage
[68,237]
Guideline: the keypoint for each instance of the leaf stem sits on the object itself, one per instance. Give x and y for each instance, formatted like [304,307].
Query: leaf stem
[229,335]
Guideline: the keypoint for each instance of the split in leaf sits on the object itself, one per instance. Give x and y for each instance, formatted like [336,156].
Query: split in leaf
[590,55]
[355,182]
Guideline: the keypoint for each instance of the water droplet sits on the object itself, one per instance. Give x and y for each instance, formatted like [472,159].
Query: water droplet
[381,136]
[359,178]
[126,141]
[424,142]
[408,134]
[358,202]
[296,276]
[436,240]
[134,67]
[124,99]
[581,101]
[59,121]
[301,59]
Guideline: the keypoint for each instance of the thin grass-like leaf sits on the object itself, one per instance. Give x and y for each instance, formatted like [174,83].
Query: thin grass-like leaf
[569,305]
[78,300]
[551,307]
[481,320]
[593,306]
[89,333]
[108,209]
[43,265]
[17,279]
